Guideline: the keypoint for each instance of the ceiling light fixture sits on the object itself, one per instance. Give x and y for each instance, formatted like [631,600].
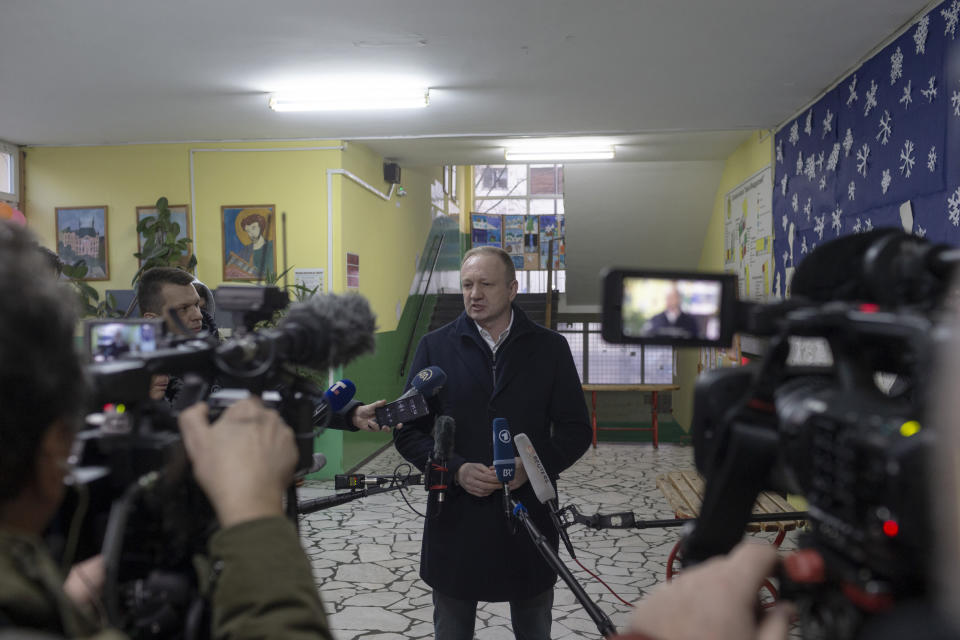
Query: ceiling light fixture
[353,99]
[558,149]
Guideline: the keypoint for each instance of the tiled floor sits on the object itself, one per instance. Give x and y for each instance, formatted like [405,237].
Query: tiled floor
[366,554]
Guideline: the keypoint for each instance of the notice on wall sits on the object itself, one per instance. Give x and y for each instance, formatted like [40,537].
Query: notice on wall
[309,279]
[748,237]
[353,271]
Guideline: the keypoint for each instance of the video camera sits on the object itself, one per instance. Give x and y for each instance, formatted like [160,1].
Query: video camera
[856,449]
[152,518]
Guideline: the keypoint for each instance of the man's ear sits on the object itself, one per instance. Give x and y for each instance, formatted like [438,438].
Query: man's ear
[514,286]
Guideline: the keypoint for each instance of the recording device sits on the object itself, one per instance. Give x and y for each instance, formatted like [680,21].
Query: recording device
[150,514]
[413,403]
[437,478]
[356,481]
[857,451]
[543,488]
[111,339]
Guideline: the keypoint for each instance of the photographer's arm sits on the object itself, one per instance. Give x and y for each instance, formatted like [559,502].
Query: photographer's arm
[244,462]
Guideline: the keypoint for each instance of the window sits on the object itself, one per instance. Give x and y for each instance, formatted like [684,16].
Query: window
[9,172]
[599,362]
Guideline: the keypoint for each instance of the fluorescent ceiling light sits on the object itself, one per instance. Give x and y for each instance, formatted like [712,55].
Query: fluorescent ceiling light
[556,149]
[352,99]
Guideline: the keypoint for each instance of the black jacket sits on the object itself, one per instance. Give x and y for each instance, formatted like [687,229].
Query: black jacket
[469,551]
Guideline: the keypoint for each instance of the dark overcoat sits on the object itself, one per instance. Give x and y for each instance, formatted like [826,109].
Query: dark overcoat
[469,550]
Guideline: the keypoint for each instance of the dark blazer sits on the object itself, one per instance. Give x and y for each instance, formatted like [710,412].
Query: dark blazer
[469,551]
[685,322]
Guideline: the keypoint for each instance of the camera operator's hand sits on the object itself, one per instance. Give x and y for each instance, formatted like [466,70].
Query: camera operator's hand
[717,599]
[244,461]
[84,583]
[365,418]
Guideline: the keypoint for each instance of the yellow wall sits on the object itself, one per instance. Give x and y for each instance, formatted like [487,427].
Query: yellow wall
[749,158]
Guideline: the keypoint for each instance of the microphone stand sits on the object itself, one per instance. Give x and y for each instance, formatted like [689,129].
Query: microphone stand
[540,541]
[305,507]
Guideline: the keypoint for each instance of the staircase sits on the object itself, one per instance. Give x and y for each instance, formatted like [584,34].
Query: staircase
[450,305]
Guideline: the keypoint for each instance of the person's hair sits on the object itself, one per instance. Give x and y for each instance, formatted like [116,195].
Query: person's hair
[255,217]
[52,259]
[150,288]
[493,251]
[41,380]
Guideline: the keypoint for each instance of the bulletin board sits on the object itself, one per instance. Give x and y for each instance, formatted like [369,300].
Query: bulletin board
[748,235]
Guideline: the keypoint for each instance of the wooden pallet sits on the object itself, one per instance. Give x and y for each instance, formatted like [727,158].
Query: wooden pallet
[684,491]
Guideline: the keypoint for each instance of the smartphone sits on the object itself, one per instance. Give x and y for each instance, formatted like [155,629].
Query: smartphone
[669,307]
[403,410]
[107,340]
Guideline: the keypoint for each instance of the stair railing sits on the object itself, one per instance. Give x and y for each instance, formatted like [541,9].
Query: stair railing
[548,316]
[438,242]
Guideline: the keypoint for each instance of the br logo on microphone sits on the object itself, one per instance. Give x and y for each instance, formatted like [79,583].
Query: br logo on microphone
[504,436]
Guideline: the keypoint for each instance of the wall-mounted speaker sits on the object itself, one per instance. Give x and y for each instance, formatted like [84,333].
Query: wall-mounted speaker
[391,173]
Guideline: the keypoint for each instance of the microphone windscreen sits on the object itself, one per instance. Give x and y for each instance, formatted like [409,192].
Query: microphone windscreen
[428,381]
[835,269]
[339,394]
[329,330]
[536,474]
[443,437]
[503,455]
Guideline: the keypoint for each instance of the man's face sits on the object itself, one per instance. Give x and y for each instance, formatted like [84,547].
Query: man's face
[184,301]
[486,292]
[253,230]
[673,300]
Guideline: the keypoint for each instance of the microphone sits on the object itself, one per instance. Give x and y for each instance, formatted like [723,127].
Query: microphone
[333,400]
[542,487]
[328,330]
[427,383]
[437,470]
[503,458]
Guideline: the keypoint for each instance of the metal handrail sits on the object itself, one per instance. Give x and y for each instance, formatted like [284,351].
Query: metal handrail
[423,299]
[548,316]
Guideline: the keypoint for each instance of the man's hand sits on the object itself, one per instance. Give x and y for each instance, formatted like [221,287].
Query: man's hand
[519,475]
[84,583]
[365,417]
[717,599]
[243,462]
[477,479]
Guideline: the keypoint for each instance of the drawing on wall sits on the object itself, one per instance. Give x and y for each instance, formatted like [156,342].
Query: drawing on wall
[513,237]
[249,233]
[485,231]
[82,236]
[531,243]
[180,214]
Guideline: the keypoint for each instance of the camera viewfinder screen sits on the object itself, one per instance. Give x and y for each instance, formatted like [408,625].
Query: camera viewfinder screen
[669,308]
[112,340]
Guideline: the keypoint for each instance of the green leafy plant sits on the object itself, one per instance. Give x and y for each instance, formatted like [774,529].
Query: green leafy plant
[161,247]
[90,303]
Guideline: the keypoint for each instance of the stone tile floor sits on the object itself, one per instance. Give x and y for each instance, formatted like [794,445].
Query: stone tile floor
[366,553]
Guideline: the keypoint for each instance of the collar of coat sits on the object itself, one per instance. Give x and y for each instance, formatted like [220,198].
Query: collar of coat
[466,329]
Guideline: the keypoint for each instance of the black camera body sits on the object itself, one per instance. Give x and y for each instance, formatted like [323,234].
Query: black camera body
[856,450]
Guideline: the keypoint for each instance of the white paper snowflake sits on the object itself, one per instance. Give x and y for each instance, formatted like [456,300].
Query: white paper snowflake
[799,163]
[953,207]
[852,190]
[886,128]
[794,133]
[784,221]
[808,208]
[835,220]
[827,124]
[951,15]
[871,100]
[932,159]
[810,167]
[786,258]
[858,227]
[920,35]
[896,66]
[868,225]
[783,185]
[955,101]
[930,93]
[823,183]
[852,88]
[920,232]
[834,158]
[818,226]
[803,245]
[820,160]
[780,151]
[847,143]
[795,203]
[885,181]
[907,158]
[863,156]
[808,123]
[907,98]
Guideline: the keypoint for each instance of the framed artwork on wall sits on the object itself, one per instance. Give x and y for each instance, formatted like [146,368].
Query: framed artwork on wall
[179,213]
[82,236]
[249,241]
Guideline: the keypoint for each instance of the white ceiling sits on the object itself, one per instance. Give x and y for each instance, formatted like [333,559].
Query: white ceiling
[113,71]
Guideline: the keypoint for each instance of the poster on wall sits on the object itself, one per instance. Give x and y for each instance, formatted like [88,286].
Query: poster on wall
[82,236]
[180,214]
[309,280]
[748,236]
[513,237]
[353,271]
[485,230]
[531,242]
[249,233]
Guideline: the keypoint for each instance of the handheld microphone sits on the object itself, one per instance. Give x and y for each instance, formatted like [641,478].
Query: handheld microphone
[437,479]
[503,456]
[542,487]
[334,399]
[413,404]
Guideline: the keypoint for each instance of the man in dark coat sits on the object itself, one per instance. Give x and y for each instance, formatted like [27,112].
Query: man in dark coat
[499,364]
[672,321]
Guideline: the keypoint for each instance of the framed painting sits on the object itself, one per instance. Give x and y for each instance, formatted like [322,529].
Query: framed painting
[82,236]
[249,241]
[179,213]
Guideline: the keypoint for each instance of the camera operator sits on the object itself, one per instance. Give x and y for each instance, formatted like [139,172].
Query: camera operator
[243,463]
